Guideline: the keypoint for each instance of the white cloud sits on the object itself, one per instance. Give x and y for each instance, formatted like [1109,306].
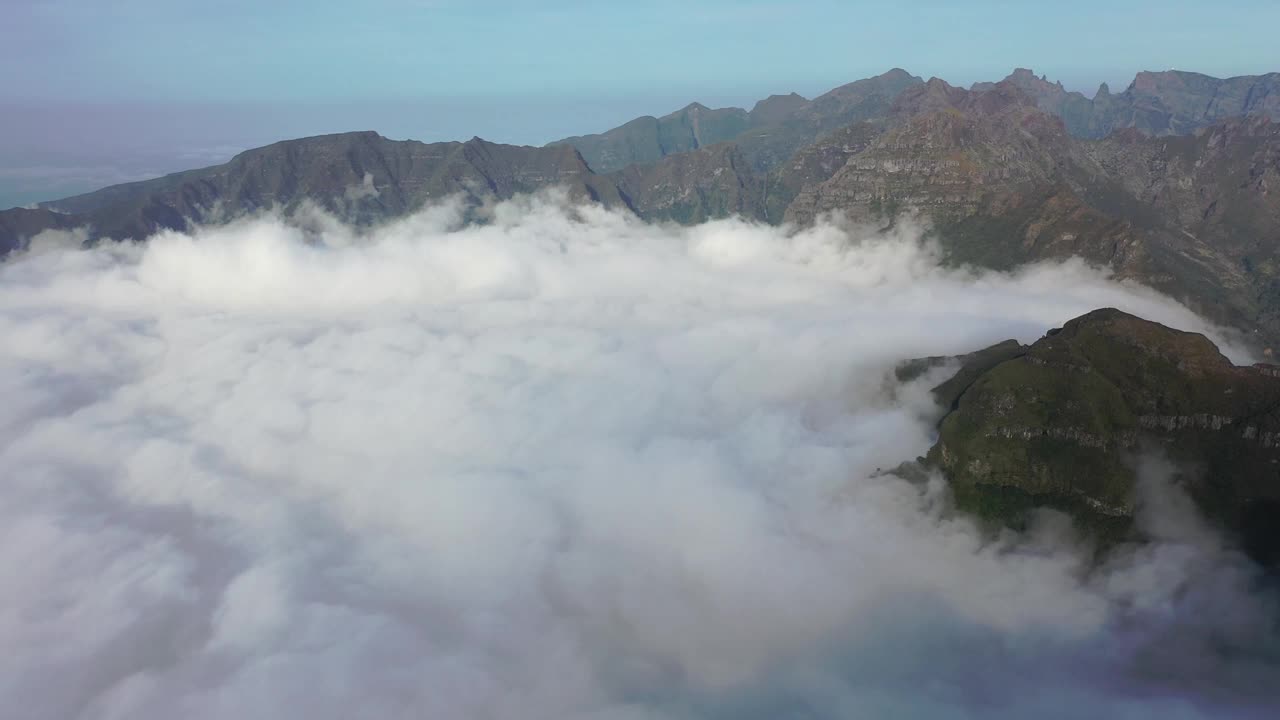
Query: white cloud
[366,189]
[564,464]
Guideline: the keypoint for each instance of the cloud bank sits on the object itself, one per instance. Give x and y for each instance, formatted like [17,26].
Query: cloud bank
[562,465]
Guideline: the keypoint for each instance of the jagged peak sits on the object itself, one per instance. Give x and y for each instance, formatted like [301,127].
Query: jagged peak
[699,109]
[897,73]
[776,106]
[984,99]
[934,94]
[1027,78]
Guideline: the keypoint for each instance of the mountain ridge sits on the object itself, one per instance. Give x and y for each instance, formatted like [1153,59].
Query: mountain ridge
[1169,102]
[1000,180]
[791,121]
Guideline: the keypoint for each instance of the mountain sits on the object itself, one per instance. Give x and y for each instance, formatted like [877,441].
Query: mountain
[1002,183]
[1063,422]
[1172,102]
[768,145]
[770,133]
[948,152]
[19,225]
[365,178]
[649,139]
[999,181]
[361,176]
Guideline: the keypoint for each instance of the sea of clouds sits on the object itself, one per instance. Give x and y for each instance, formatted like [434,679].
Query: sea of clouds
[564,464]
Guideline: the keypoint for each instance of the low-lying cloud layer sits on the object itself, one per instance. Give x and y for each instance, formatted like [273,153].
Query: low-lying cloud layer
[564,465]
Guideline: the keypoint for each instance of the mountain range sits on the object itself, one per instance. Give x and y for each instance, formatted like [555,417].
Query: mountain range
[1174,182]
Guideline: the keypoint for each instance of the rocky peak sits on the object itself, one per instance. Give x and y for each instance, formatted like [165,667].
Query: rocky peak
[775,108]
[933,95]
[937,95]
[889,83]
[897,75]
[1028,80]
[1148,81]
[1060,425]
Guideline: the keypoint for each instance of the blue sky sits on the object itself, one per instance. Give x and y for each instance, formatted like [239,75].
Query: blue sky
[312,50]
[177,79]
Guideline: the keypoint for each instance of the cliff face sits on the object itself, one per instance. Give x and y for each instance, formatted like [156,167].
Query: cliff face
[1061,423]
[950,153]
[693,187]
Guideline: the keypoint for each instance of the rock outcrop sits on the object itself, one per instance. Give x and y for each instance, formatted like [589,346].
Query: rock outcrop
[1062,423]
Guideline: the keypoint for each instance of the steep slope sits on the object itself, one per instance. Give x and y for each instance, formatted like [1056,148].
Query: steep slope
[1063,422]
[952,152]
[814,164]
[693,187]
